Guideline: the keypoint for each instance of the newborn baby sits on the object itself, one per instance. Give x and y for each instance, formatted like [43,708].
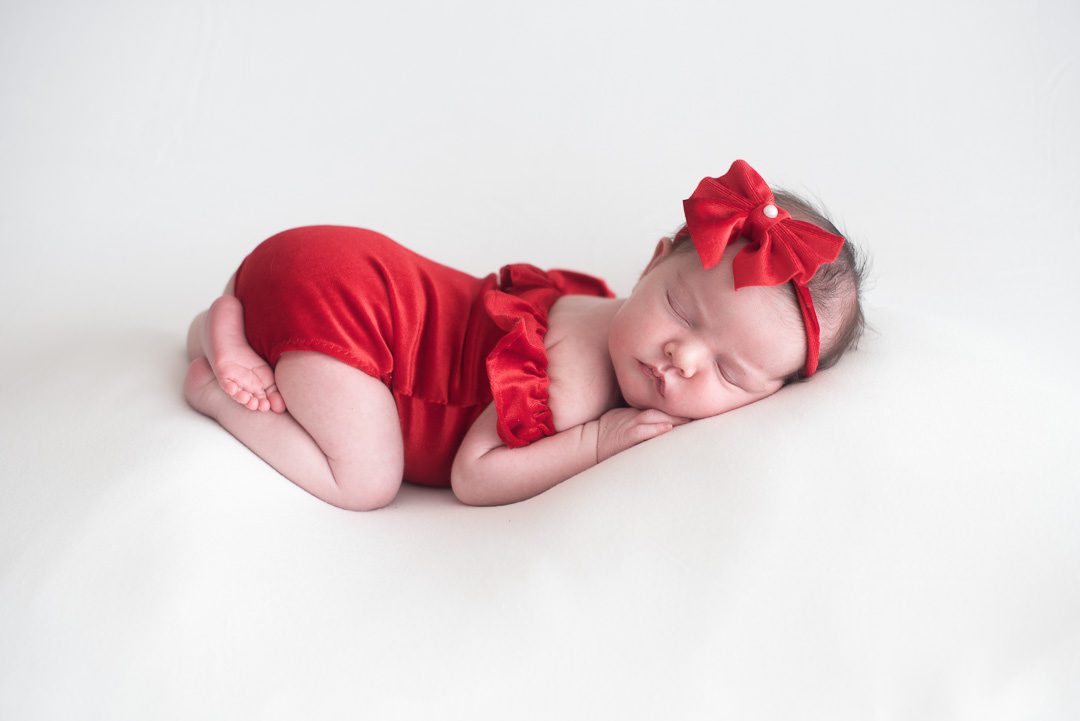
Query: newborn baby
[350,363]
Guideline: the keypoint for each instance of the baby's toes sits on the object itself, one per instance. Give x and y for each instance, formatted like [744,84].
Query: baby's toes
[277,403]
[243,379]
[238,394]
[229,386]
[265,374]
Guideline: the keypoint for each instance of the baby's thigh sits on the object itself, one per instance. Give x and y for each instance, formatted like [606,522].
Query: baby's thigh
[353,419]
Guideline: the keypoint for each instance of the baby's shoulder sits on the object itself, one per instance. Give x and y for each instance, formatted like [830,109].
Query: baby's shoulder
[582,383]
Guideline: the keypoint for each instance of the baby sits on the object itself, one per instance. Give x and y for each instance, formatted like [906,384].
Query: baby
[350,363]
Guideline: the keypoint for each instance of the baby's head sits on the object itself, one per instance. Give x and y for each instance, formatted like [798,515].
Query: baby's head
[716,348]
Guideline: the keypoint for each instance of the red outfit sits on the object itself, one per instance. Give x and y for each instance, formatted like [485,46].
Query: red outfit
[444,342]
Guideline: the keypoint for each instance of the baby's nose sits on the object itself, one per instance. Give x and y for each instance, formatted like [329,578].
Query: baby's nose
[682,358]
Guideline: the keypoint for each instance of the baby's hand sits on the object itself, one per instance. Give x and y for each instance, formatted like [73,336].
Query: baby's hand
[621,428]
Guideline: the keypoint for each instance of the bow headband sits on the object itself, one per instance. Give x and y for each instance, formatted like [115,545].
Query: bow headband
[780,248]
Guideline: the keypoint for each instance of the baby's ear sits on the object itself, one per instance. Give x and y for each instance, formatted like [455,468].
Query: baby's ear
[663,248]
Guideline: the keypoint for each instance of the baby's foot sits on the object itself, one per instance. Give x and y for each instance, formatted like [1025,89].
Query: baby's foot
[237,377]
[241,372]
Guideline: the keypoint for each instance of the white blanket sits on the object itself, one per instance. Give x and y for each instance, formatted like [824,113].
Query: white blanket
[897,539]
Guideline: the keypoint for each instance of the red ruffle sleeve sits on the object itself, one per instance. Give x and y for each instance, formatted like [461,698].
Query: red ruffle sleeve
[517,365]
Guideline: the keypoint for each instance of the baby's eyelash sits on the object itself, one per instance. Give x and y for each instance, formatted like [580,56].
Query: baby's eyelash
[724,375]
[672,306]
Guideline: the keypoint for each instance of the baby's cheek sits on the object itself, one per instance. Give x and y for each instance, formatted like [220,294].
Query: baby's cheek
[626,390]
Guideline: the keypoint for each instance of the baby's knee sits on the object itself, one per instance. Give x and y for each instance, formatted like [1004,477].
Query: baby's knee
[367,487]
[368,499]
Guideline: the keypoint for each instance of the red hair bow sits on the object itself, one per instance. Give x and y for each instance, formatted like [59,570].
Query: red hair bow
[781,248]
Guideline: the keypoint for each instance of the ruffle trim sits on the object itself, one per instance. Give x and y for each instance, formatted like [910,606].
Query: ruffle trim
[517,364]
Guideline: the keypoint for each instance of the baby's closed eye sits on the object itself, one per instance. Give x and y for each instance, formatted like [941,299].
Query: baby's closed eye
[672,304]
[675,310]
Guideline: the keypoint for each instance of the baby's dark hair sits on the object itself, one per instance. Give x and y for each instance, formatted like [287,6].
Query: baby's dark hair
[836,287]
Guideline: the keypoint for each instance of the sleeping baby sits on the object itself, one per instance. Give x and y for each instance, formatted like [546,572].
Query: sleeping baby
[349,363]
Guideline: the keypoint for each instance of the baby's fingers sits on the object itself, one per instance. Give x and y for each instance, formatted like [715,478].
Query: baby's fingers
[654,415]
[645,431]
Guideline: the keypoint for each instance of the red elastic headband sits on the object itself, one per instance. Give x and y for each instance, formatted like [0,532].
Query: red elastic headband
[780,248]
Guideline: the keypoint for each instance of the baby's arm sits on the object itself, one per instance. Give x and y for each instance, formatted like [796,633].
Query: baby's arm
[487,473]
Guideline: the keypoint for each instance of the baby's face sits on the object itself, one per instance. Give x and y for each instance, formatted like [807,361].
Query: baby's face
[715,348]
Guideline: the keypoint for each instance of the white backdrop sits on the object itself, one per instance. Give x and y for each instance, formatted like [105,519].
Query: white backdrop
[896,540]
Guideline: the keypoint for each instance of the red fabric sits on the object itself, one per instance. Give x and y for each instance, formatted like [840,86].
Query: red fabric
[780,248]
[517,365]
[444,342]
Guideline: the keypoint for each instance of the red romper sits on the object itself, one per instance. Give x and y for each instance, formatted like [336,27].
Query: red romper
[444,342]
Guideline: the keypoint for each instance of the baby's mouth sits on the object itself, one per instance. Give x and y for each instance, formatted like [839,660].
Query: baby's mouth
[655,375]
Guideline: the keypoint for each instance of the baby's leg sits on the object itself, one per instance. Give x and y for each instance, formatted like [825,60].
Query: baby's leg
[218,335]
[341,439]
